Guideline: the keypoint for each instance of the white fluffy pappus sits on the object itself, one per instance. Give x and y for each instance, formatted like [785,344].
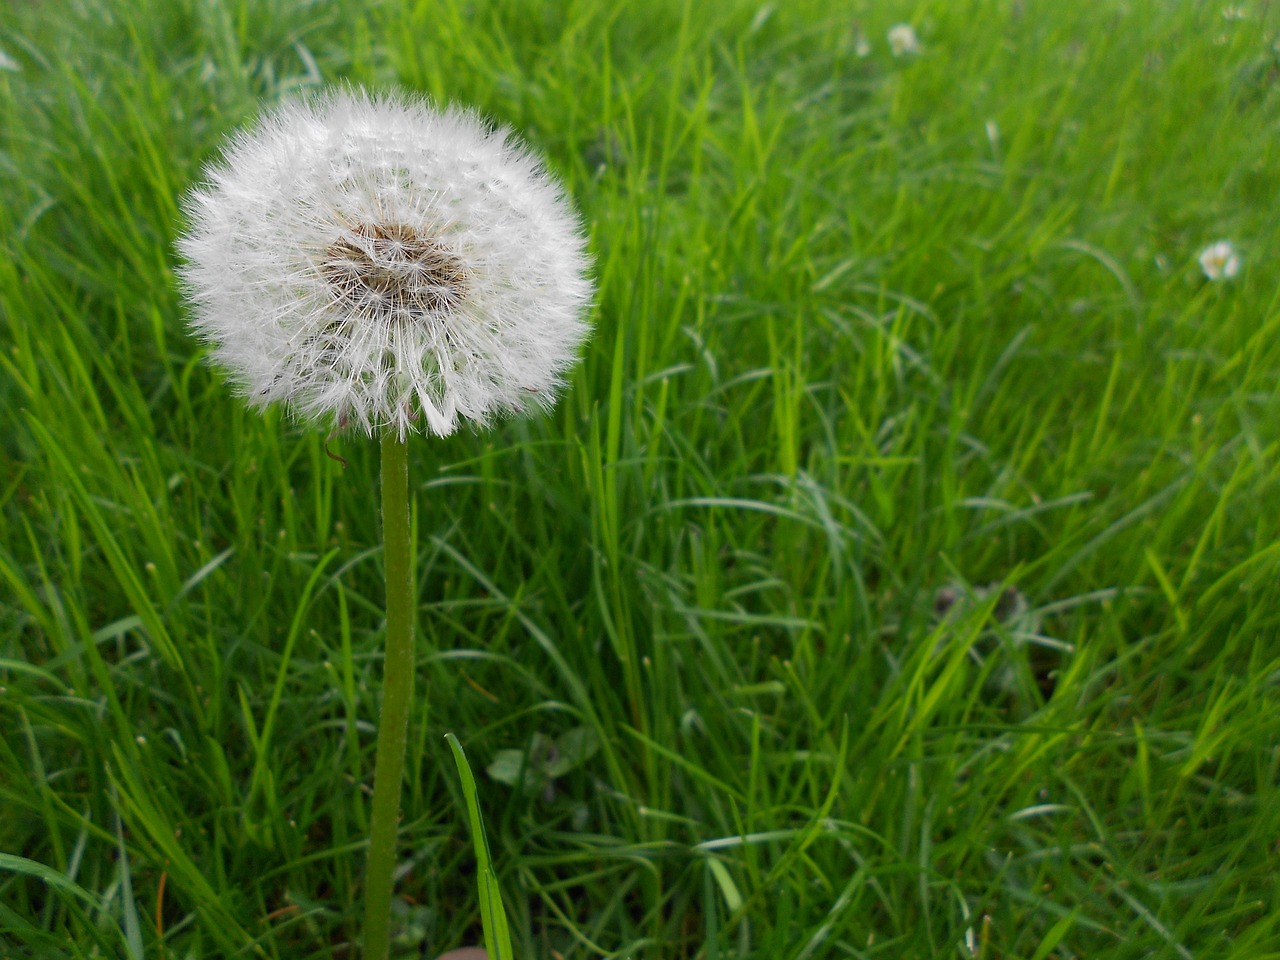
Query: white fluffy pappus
[374,262]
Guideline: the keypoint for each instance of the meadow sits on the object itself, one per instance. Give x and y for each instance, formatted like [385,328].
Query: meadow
[897,578]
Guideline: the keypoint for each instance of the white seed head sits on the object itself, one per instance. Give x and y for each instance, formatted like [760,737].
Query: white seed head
[372,261]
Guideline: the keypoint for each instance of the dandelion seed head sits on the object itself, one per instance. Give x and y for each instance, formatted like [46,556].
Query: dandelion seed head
[375,262]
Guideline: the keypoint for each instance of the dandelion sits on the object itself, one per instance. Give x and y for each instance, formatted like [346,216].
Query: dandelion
[376,263]
[903,40]
[1220,261]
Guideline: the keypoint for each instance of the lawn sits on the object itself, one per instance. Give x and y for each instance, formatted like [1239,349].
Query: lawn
[898,577]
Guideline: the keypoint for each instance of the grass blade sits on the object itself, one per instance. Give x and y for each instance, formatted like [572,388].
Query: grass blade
[497,934]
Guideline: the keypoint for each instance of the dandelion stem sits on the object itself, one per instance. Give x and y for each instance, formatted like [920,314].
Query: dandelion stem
[397,693]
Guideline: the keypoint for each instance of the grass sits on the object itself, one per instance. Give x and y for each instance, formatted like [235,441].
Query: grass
[897,578]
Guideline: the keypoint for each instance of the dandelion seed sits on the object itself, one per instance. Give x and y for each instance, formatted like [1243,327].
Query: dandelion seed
[1220,261]
[903,40]
[1235,12]
[372,261]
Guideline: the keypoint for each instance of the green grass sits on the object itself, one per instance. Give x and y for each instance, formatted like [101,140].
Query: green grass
[902,559]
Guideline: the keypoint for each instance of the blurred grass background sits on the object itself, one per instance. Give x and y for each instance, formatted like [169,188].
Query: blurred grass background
[898,577]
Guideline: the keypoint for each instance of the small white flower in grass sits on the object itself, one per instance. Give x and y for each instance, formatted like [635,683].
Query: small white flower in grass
[903,40]
[372,261]
[1220,261]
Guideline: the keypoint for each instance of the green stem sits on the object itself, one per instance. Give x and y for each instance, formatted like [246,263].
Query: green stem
[397,693]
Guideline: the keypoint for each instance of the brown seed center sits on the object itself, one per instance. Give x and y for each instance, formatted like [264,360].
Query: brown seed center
[390,272]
